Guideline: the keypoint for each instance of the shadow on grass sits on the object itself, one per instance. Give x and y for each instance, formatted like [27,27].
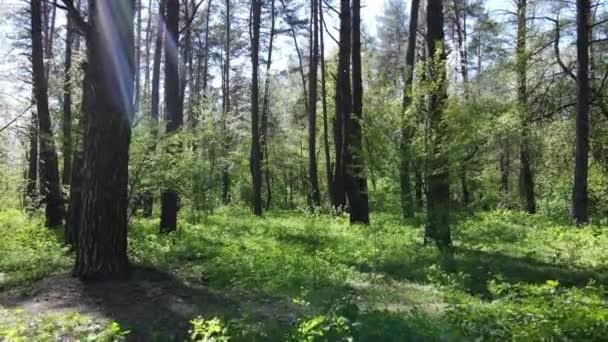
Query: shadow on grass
[481,267]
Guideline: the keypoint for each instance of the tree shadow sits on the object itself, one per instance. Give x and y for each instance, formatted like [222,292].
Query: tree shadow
[153,305]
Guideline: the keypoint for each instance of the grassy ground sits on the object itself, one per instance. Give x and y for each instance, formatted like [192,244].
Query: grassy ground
[292,276]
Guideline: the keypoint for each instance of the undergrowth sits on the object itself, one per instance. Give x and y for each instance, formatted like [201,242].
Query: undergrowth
[513,276]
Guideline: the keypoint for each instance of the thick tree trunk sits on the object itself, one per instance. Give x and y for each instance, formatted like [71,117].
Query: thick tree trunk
[72,223]
[48,155]
[526,176]
[102,237]
[328,166]
[256,169]
[170,197]
[312,108]
[580,197]
[356,181]
[407,199]
[438,176]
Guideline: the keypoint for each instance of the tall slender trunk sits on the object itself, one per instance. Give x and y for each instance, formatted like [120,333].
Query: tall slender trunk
[102,235]
[328,166]
[438,177]
[158,51]
[226,106]
[266,108]
[294,36]
[312,107]
[407,200]
[48,155]
[148,52]
[206,71]
[136,101]
[580,197]
[526,175]
[356,181]
[255,163]
[67,105]
[170,197]
[31,192]
[344,103]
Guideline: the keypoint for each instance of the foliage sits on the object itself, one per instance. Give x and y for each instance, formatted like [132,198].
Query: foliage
[17,325]
[31,253]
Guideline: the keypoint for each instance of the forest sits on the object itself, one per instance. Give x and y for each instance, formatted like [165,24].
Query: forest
[303,170]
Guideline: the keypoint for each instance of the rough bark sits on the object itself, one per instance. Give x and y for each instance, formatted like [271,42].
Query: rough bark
[312,108]
[102,235]
[50,182]
[170,197]
[438,177]
[407,199]
[66,124]
[356,181]
[526,176]
[328,166]
[256,169]
[580,197]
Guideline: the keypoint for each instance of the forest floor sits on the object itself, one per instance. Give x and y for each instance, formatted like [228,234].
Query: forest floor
[294,276]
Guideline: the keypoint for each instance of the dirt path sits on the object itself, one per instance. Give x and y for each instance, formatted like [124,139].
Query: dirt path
[153,305]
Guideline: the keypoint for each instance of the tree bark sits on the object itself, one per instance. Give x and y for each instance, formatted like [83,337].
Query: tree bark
[158,51]
[438,176]
[256,170]
[266,108]
[50,182]
[407,200]
[312,108]
[328,166]
[356,181]
[170,197]
[226,106]
[343,100]
[526,176]
[580,197]
[67,105]
[102,237]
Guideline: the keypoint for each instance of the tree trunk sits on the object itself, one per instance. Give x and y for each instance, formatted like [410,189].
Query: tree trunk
[580,197]
[526,176]
[328,166]
[137,90]
[158,50]
[343,105]
[438,177]
[226,106]
[266,108]
[67,105]
[312,108]
[256,170]
[356,181]
[170,197]
[31,192]
[48,155]
[407,200]
[102,237]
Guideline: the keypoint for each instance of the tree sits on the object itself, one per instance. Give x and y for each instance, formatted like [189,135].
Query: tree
[580,196]
[102,236]
[255,163]
[343,99]
[170,197]
[438,176]
[50,183]
[66,123]
[521,61]
[312,107]
[328,165]
[407,199]
[356,182]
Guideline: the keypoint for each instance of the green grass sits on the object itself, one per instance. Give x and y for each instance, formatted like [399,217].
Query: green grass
[513,277]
